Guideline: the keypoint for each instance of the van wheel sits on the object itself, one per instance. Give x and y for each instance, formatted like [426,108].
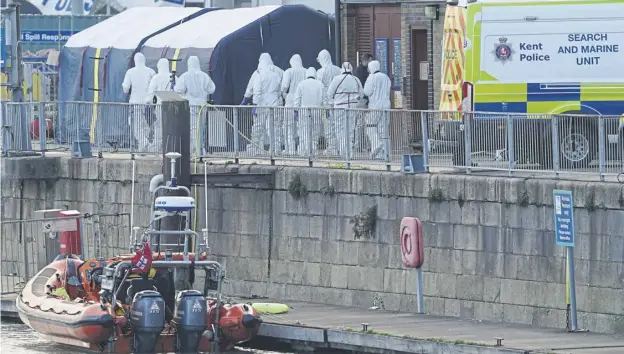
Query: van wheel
[578,141]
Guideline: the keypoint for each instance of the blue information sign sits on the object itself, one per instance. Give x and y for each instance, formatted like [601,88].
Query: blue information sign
[2,47]
[563,206]
[397,67]
[381,54]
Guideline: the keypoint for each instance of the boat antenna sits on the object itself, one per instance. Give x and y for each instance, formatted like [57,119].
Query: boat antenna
[205,229]
[132,194]
[173,156]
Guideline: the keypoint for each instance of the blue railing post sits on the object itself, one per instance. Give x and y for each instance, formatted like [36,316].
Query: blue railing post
[347,134]
[511,153]
[43,128]
[601,147]
[272,133]
[424,126]
[236,133]
[467,141]
[555,144]
[386,138]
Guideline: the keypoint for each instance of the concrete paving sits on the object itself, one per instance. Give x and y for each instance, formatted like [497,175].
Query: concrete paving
[447,329]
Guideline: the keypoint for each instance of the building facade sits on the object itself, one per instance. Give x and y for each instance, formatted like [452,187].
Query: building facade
[406,37]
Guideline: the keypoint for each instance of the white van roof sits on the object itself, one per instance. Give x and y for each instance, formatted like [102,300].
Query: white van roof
[519,2]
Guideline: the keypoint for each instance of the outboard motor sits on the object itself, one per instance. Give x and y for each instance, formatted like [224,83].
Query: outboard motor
[147,317]
[189,320]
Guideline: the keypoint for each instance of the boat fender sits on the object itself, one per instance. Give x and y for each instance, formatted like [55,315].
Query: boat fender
[270,307]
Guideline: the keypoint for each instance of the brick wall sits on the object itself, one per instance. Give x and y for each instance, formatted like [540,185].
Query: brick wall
[413,14]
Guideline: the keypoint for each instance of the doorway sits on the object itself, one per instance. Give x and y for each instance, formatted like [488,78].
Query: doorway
[420,69]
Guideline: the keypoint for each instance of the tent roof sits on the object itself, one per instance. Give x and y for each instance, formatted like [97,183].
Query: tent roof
[207,30]
[126,29]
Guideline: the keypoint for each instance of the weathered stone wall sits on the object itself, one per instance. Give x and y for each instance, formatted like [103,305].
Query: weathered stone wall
[490,249]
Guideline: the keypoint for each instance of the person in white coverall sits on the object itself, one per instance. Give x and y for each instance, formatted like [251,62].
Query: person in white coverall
[377,88]
[264,57]
[310,93]
[266,93]
[249,90]
[326,74]
[291,79]
[343,93]
[195,85]
[136,82]
[162,81]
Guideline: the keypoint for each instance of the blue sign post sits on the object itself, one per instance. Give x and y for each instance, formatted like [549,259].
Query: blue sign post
[563,205]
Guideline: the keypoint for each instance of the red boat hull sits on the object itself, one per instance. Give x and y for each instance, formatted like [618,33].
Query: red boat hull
[90,325]
[87,322]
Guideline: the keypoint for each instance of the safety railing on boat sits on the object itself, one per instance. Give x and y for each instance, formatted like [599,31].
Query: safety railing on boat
[28,245]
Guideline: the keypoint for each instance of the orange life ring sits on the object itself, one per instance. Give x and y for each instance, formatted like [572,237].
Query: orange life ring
[412,249]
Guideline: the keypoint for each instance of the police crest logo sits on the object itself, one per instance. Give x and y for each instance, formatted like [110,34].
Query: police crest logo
[502,50]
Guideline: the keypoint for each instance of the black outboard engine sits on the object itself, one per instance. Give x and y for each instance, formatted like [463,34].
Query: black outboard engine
[189,320]
[147,317]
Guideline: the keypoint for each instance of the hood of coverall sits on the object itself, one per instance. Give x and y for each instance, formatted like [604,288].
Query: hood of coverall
[347,68]
[373,66]
[324,58]
[193,63]
[295,61]
[265,62]
[139,60]
[265,57]
[311,73]
[163,66]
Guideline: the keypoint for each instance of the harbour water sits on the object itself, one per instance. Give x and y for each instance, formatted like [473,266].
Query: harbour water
[17,338]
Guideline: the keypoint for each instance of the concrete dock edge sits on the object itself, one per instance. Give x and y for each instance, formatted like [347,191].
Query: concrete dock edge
[370,343]
[314,337]
[7,306]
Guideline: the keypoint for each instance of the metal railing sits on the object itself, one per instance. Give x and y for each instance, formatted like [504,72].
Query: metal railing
[228,132]
[540,143]
[27,247]
[475,141]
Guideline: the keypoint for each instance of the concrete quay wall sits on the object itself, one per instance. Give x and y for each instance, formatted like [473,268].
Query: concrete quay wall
[490,248]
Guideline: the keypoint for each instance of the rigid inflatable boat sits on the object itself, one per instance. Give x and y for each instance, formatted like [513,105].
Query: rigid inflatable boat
[129,303]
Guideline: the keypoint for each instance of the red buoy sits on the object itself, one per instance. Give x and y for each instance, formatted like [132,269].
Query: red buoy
[412,249]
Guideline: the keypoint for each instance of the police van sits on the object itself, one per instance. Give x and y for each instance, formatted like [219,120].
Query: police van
[539,58]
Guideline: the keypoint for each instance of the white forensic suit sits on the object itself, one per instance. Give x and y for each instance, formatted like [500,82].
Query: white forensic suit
[195,85]
[162,81]
[377,89]
[136,82]
[266,93]
[264,57]
[310,97]
[291,79]
[249,90]
[343,93]
[326,74]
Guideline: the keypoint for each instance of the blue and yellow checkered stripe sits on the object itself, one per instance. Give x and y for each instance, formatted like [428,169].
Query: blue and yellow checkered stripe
[554,98]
